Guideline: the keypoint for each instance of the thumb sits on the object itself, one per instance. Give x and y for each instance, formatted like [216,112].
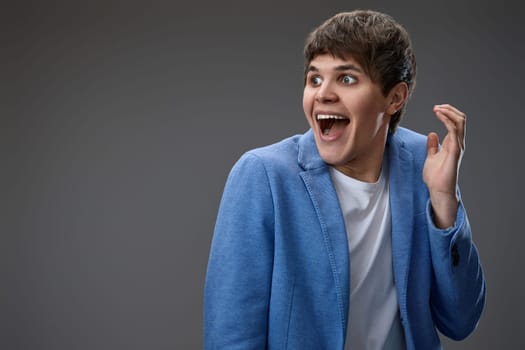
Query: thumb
[432,144]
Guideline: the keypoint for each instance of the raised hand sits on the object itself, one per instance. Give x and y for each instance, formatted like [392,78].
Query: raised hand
[441,169]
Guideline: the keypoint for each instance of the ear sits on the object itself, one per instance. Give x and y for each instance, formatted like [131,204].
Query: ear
[397,97]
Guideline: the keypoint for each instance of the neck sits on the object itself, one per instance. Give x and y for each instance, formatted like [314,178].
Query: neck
[366,168]
[369,173]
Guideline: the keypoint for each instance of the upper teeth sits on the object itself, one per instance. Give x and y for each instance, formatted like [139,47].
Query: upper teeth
[329,116]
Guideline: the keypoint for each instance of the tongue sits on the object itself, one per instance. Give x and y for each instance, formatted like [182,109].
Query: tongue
[333,126]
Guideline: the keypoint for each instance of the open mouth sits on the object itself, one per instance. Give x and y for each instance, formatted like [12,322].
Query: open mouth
[331,123]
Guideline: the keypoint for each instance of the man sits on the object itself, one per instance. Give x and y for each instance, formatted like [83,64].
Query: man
[353,235]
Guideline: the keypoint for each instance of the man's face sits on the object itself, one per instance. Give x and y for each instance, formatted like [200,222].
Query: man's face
[347,112]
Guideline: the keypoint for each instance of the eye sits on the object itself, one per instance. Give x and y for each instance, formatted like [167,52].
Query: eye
[316,80]
[347,79]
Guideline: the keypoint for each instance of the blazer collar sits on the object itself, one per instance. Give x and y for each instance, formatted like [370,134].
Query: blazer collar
[308,155]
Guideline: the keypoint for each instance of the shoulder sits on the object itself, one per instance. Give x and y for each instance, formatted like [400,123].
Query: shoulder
[279,151]
[411,141]
[410,138]
[260,171]
[280,156]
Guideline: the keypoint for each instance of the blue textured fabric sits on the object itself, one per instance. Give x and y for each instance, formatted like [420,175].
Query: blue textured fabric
[278,271]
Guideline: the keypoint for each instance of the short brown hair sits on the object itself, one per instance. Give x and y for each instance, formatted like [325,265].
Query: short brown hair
[379,44]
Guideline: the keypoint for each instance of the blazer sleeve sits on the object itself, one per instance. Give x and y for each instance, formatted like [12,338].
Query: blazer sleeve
[238,279]
[458,290]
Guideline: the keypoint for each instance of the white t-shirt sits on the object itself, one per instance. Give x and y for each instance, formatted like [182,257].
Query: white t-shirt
[373,321]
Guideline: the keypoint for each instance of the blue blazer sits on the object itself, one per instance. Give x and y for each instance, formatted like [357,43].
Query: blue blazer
[278,271]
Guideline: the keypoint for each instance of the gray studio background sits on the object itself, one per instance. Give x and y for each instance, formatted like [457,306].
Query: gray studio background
[119,124]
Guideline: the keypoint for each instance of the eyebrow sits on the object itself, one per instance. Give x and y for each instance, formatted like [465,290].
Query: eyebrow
[340,68]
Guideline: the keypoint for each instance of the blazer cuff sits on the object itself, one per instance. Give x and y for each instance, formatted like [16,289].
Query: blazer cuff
[460,218]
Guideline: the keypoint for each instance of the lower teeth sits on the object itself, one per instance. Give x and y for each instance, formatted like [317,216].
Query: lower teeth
[326,131]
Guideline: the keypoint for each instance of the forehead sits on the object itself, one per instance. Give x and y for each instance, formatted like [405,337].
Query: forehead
[328,62]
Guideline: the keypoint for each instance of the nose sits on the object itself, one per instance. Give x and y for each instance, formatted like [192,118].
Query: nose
[325,93]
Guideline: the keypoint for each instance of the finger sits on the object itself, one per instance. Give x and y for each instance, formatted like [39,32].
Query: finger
[458,117]
[451,139]
[455,127]
[447,106]
[448,122]
[432,144]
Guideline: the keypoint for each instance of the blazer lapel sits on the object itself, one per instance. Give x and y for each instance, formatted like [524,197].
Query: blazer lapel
[401,206]
[318,182]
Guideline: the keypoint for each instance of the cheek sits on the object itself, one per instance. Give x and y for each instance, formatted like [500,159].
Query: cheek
[372,112]
[363,104]
[307,102]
